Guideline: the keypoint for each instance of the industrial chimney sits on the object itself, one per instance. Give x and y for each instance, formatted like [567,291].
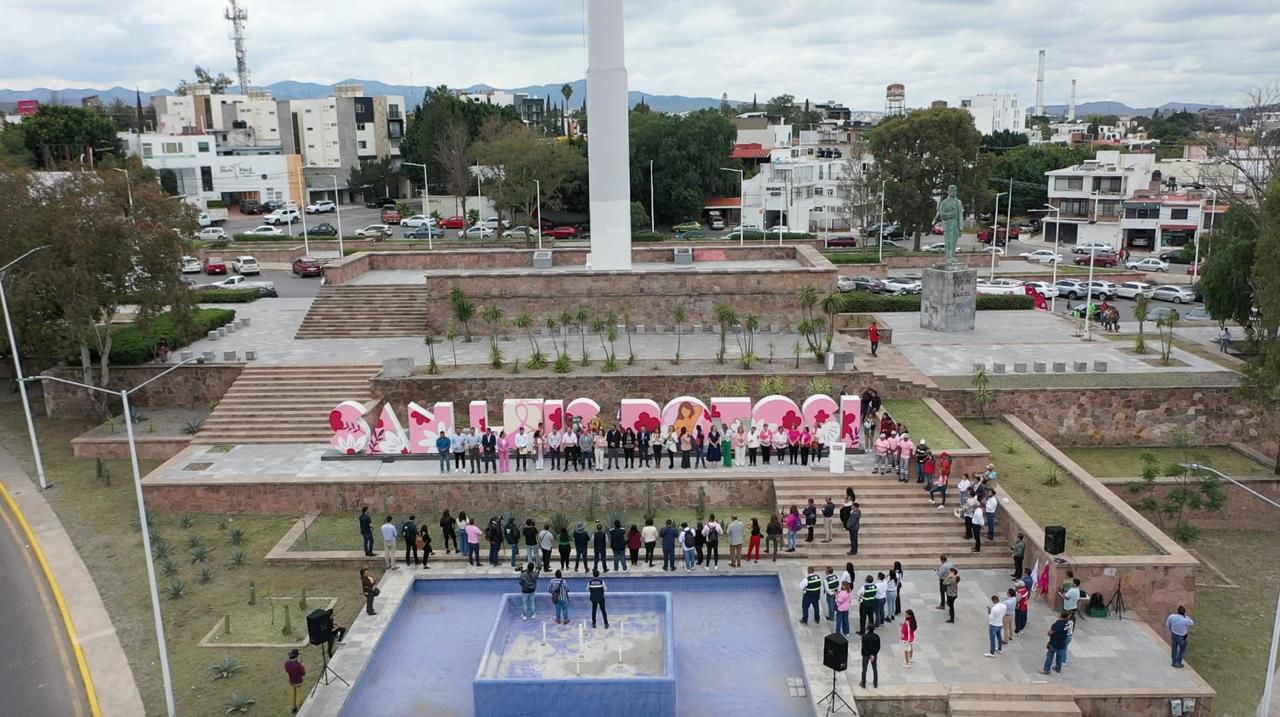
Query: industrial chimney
[1040,87]
[1071,109]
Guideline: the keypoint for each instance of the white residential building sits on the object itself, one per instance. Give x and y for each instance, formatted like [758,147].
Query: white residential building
[204,175]
[1155,221]
[1090,196]
[995,113]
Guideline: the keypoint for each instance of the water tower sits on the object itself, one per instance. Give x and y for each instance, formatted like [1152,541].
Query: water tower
[895,100]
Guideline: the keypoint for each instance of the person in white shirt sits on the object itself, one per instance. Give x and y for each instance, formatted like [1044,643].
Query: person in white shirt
[779,443]
[978,519]
[522,450]
[649,535]
[389,544]
[882,593]
[753,445]
[989,513]
[553,443]
[995,622]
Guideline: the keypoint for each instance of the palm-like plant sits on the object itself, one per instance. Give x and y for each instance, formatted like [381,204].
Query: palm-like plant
[1141,312]
[727,317]
[524,322]
[581,318]
[464,310]
[493,315]
[831,305]
[452,335]
[626,326]
[566,320]
[681,315]
[809,327]
[551,329]
[432,367]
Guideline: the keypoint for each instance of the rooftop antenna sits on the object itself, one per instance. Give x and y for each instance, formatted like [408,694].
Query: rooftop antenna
[238,16]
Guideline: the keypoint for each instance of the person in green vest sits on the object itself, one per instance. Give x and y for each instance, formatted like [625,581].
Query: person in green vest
[867,604]
[812,593]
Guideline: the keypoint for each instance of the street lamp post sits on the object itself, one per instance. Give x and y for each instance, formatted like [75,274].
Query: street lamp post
[142,518]
[880,258]
[128,188]
[995,231]
[426,199]
[653,210]
[17,370]
[337,206]
[742,203]
[537,185]
[1057,213]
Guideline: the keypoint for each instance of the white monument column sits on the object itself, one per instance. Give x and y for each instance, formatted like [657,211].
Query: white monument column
[608,139]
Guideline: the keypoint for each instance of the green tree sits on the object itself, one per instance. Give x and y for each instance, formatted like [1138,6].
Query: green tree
[918,155]
[493,315]
[1193,490]
[1026,166]
[1228,280]
[374,177]
[440,108]
[639,217]
[464,310]
[516,157]
[1004,139]
[218,83]
[726,317]
[59,136]
[784,106]
[688,152]
[679,315]
[453,155]
[1141,310]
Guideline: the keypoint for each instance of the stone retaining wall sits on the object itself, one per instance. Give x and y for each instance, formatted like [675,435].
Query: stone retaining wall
[491,495]
[191,385]
[155,447]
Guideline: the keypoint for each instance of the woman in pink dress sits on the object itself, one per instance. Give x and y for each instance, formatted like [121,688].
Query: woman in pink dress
[793,445]
[806,438]
[504,452]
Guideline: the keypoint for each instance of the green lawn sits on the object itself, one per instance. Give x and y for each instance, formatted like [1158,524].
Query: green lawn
[1127,462]
[922,422]
[1092,529]
[1233,625]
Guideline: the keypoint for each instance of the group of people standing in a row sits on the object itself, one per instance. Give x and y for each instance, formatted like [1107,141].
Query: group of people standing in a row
[879,601]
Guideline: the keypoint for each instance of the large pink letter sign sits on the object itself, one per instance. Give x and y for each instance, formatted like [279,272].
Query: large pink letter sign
[350,430]
[686,412]
[850,426]
[388,434]
[583,409]
[426,426]
[820,411]
[640,414]
[520,413]
[478,415]
[776,412]
[730,412]
[553,414]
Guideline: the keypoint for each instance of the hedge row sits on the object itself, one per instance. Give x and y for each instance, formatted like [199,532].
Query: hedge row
[226,296]
[131,345]
[866,302]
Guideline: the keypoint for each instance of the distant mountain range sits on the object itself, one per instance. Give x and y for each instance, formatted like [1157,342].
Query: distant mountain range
[1120,109]
[289,90]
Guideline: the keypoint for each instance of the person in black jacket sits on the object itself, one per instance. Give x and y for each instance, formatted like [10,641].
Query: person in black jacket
[596,588]
[530,533]
[366,531]
[642,444]
[409,529]
[449,527]
[581,539]
[600,548]
[618,544]
[870,649]
[512,533]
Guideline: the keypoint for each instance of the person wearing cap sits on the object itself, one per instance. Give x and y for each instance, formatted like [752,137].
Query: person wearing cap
[293,667]
[922,453]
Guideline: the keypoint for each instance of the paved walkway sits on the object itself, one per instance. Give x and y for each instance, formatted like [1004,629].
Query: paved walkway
[273,323]
[1019,337]
[418,276]
[108,666]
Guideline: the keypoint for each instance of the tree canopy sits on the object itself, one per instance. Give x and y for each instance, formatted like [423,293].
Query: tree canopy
[58,135]
[1026,167]
[687,152]
[516,156]
[218,83]
[441,107]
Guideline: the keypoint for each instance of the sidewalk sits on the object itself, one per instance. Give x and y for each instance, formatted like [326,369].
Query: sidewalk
[108,666]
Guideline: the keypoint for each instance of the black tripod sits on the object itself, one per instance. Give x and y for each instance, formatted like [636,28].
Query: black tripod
[1117,602]
[834,700]
[328,674]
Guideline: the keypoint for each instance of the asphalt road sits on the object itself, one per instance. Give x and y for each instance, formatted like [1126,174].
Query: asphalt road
[38,673]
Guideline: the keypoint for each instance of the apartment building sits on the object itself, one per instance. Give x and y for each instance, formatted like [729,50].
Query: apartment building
[531,108]
[204,172]
[995,113]
[1090,196]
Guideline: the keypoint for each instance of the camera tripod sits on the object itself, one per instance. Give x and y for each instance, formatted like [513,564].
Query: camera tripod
[1116,605]
[328,674]
[833,699]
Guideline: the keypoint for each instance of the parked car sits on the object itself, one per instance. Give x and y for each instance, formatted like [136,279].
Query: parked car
[564,232]
[374,231]
[845,284]
[478,231]
[1173,256]
[495,223]
[1195,269]
[250,206]
[215,265]
[237,282]
[900,285]
[1043,288]
[1031,225]
[1176,294]
[424,232]
[777,228]
[997,250]
[888,244]
[270,206]
[868,283]
[456,221]
[283,216]
[936,247]
[1148,264]
[1091,247]
[1105,289]
[379,202]
[307,266]
[389,215]
[1131,289]
[417,220]
[891,231]
[1002,236]
[686,227]
[521,232]
[324,229]
[1044,256]
[1197,313]
[245,265]
[1161,312]
[716,223]
[1098,258]
[1000,287]
[264,231]
[1072,288]
[324,206]
[1077,311]
[841,240]
[191,265]
[691,234]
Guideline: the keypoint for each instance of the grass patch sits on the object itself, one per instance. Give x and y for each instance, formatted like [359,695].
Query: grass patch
[1127,462]
[264,623]
[1233,625]
[1092,529]
[102,520]
[924,423]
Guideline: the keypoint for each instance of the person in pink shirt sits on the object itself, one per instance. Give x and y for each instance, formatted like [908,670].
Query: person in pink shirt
[793,445]
[766,442]
[473,542]
[882,455]
[908,636]
[893,452]
[905,450]
[844,598]
[805,439]
[504,452]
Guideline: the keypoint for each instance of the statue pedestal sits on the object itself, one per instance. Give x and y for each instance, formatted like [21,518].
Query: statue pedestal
[948,299]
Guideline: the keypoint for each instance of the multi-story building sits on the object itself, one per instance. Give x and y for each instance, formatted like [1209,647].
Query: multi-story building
[195,112]
[205,172]
[1155,221]
[532,109]
[1090,196]
[995,113]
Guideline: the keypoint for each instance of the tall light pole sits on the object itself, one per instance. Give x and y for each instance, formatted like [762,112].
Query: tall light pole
[880,258]
[426,199]
[1057,213]
[337,206]
[142,517]
[128,188]
[17,369]
[995,231]
[479,196]
[537,185]
[306,245]
[742,203]
[653,211]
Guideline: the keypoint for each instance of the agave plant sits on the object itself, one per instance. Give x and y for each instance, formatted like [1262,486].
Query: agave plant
[175,590]
[225,668]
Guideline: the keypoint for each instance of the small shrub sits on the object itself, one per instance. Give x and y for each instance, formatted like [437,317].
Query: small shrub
[1053,478]
[206,575]
[559,521]
[102,472]
[1010,447]
[236,536]
[563,364]
[225,668]
[193,426]
[186,521]
[168,567]
[222,523]
[160,550]
[200,554]
[239,703]
[237,558]
[818,386]
[618,515]
[132,345]
[175,590]
[770,385]
[610,364]
[194,541]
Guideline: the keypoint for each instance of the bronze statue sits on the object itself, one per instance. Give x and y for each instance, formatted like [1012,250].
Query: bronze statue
[951,212]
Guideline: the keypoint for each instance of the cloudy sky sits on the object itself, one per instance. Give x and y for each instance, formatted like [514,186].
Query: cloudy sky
[1142,52]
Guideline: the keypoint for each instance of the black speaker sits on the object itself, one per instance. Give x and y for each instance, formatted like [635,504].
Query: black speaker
[1055,539]
[319,627]
[835,652]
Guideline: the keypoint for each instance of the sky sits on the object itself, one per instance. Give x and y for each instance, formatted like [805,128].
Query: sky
[1141,52]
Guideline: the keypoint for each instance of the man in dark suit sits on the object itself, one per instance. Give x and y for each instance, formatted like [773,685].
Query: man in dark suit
[409,529]
[870,649]
[366,531]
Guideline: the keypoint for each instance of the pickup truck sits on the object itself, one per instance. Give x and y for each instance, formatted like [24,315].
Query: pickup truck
[212,217]
[238,282]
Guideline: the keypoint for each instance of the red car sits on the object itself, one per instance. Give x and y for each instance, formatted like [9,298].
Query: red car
[456,221]
[215,265]
[1196,269]
[564,232]
[842,240]
[1101,258]
[307,266]
[390,215]
[1006,233]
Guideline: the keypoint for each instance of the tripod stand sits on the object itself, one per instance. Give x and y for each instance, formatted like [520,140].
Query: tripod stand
[328,675]
[834,700]
[1117,602]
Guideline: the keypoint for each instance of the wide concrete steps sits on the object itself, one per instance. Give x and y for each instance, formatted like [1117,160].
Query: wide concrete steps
[972,707]
[284,404]
[365,311]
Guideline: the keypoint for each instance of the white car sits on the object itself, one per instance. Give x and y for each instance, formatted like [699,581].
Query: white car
[283,216]
[264,231]
[374,230]
[1001,287]
[900,285]
[779,228]
[1105,289]
[937,247]
[323,206]
[1148,264]
[245,265]
[210,233]
[238,282]
[1176,294]
[417,220]
[521,232]
[1091,247]
[845,284]
[191,265]
[1131,289]
[494,223]
[1044,288]
[478,231]
[997,250]
[749,227]
[1044,256]
[715,223]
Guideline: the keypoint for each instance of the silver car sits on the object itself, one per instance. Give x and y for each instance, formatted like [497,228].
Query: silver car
[1176,294]
[900,285]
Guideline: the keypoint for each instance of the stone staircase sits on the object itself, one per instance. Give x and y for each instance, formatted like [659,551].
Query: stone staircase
[1012,701]
[352,311]
[889,364]
[897,524]
[284,404]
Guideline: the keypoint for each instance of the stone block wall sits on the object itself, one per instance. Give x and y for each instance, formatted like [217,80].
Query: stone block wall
[569,495]
[191,385]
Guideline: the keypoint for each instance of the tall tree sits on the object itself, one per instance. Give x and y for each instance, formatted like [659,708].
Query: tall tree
[441,107]
[218,83]
[516,157]
[62,137]
[1004,139]
[918,155]
[688,152]
[453,155]
[13,147]
[1027,165]
[374,177]
[1227,280]
[857,193]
